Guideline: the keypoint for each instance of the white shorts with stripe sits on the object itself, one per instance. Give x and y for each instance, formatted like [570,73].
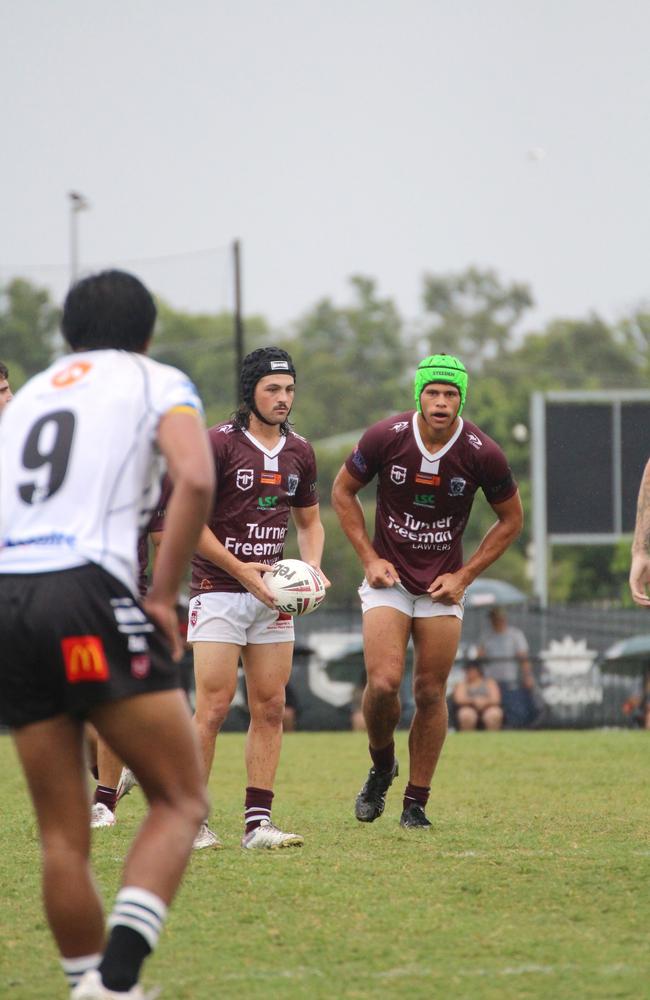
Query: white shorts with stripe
[413,605]
[237,618]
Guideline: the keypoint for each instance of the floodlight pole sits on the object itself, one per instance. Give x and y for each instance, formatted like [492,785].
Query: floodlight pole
[77,204]
[538,483]
[238,318]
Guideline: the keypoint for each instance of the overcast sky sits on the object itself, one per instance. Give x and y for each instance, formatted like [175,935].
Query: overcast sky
[355,136]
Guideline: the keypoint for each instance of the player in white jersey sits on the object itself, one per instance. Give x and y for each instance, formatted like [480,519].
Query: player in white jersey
[80,455]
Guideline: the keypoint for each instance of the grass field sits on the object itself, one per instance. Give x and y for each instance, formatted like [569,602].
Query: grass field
[532,884]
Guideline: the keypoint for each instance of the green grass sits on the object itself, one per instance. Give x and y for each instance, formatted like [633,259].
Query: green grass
[532,884]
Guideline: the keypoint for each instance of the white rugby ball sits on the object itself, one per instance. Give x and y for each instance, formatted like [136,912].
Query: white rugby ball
[296,587]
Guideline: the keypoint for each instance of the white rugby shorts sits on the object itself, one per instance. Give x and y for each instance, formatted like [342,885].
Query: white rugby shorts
[236,618]
[413,605]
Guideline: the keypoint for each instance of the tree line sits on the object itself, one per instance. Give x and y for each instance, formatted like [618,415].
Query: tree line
[355,365]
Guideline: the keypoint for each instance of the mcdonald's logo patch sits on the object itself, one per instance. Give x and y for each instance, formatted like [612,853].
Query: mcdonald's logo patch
[84,659]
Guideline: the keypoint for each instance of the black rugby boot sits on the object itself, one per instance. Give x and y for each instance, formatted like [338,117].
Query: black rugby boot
[413,817]
[372,798]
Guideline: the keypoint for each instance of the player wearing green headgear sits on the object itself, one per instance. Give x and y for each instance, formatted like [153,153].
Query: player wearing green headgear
[429,464]
[443,369]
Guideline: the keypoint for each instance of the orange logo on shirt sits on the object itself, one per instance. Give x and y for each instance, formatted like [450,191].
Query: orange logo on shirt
[84,658]
[71,374]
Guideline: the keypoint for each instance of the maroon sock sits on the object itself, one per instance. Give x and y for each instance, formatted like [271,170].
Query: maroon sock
[257,807]
[107,796]
[384,758]
[415,793]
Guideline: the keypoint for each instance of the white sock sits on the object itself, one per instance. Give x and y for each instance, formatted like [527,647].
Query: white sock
[75,968]
[140,910]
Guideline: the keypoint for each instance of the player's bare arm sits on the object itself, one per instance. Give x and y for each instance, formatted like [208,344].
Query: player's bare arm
[640,567]
[311,536]
[378,572]
[448,588]
[183,442]
[249,574]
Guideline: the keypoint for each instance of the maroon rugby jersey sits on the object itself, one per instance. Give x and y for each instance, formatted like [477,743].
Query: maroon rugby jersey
[424,499]
[255,488]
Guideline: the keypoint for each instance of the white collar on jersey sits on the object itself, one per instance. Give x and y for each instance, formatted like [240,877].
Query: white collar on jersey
[443,451]
[269,453]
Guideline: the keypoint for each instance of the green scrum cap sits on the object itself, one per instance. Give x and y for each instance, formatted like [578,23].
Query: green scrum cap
[441,368]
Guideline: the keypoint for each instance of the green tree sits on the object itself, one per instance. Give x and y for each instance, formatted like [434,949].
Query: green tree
[204,347]
[472,314]
[351,363]
[29,322]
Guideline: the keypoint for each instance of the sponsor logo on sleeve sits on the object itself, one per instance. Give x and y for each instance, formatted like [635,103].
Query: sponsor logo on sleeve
[226,429]
[359,461]
[84,659]
[474,440]
[292,484]
[401,425]
[457,486]
[398,475]
[244,479]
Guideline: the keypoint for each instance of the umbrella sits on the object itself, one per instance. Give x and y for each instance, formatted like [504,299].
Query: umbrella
[628,656]
[485,592]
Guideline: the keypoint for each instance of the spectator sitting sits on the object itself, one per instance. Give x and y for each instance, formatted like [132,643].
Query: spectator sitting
[477,700]
[638,706]
[503,650]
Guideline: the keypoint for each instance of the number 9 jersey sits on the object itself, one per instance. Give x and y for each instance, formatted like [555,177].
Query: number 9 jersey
[79,467]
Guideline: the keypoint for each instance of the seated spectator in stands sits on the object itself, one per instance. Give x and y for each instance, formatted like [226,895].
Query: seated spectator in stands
[357,721]
[503,650]
[290,715]
[638,706]
[477,700]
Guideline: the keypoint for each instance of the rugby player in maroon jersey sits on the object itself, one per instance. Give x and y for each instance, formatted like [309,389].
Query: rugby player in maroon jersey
[264,472]
[429,463]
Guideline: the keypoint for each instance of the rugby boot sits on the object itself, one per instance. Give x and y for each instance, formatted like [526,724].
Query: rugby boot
[413,817]
[206,838]
[267,837]
[371,800]
[100,816]
[127,781]
[92,988]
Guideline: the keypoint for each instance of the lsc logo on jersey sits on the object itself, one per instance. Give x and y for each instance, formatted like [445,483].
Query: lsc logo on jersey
[244,479]
[267,503]
[84,658]
[398,475]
